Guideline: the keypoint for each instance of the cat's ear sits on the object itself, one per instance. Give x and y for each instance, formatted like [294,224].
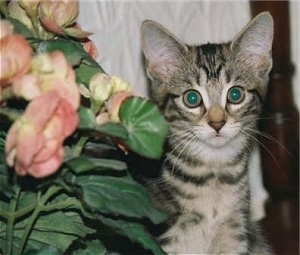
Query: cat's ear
[164,53]
[253,45]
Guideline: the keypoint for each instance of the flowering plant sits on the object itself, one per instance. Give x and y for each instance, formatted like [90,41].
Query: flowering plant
[66,128]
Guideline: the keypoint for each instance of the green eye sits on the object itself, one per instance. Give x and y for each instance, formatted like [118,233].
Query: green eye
[235,95]
[192,98]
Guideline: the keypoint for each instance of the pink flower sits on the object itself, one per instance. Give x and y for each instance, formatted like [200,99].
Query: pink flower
[59,16]
[114,103]
[15,55]
[34,143]
[90,48]
[6,28]
[49,72]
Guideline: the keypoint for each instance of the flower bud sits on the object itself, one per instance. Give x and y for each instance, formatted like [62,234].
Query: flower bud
[100,87]
[118,84]
[30,6]
[17,12]
[55,15]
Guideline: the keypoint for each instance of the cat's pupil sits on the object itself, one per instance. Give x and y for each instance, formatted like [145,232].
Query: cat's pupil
[192,98]
[235,95]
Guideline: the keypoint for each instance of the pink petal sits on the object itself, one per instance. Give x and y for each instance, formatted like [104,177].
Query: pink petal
[69,117]
[42,108]
[28,144]
[14,59]
[47,167]
[27,86]
[11,138]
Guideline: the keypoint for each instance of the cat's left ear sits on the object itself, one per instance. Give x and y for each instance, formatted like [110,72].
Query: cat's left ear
[164,52]
[253,45]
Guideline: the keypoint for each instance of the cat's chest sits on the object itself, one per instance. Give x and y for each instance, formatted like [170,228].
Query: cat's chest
[211,198]
[202,216]
[214,201]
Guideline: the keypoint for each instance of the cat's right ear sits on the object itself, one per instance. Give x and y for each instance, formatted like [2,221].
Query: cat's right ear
[164,53]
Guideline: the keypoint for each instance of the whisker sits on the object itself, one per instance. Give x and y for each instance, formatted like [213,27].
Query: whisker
[263,146]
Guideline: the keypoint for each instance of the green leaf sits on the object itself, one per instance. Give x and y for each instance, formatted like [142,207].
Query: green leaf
[93,247]
[87,121]
[69,48]
[112,129]
[20,28]
[117,196]
[26,198]
[145,125]
[5,184]
[83,164]
[87,118]
[135,232]
[85,72]
[45,251]
[56,229]
[99,146]
[73,50]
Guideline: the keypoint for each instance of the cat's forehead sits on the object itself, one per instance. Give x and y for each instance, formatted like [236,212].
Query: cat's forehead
[211,57]
[212,62]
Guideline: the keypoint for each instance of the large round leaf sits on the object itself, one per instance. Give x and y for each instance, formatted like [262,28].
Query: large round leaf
[145,125]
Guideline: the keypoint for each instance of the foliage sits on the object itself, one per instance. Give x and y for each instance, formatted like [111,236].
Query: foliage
[89,199]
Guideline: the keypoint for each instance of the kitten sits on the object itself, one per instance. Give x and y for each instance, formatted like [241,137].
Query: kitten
[211,95]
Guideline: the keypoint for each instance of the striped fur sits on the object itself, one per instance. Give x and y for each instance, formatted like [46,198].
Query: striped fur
[204,184]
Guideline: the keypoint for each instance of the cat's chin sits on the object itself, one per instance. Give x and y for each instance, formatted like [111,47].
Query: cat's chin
[218,141]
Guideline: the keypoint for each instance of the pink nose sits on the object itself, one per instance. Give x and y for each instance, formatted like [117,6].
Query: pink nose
[216,117]
[217,125]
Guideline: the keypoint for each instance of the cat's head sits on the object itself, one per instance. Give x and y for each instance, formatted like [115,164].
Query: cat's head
[212,93]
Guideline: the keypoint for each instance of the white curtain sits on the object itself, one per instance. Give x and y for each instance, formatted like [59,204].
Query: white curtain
[116,28]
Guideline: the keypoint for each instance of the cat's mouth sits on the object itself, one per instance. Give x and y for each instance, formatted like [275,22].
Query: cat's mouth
[217,140]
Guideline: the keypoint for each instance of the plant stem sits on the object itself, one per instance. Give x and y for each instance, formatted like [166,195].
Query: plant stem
[39,207]
[79,146]
[11,220]
[71,202]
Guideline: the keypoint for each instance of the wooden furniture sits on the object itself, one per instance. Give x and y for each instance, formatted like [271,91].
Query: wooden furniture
[280,154]
[280,157]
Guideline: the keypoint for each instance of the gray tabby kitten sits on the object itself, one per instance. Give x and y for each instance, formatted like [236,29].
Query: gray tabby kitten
[211,95]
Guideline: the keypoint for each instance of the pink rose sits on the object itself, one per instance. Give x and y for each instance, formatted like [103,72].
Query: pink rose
[34,143]
[15,56]
[49,72]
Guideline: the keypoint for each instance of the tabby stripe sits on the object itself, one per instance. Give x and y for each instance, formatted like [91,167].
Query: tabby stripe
[184,177]
[167,99]
[255,92]
[188,160]
[232,179]
[180,193]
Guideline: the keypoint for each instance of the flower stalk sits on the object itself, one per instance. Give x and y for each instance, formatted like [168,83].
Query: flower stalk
[41,202]
[11,219]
